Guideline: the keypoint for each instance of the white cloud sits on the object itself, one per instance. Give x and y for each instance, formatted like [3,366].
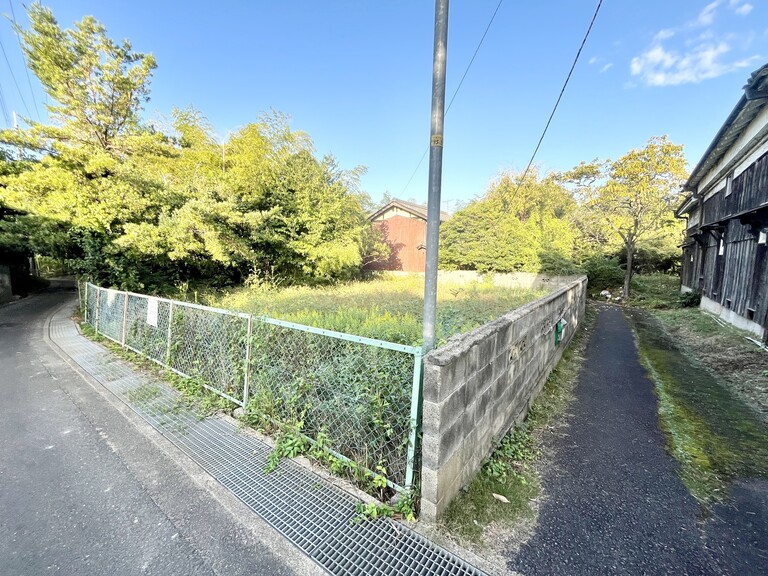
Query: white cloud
[740,7]
[664,34]
[593,60]
[606,67]
[699,53]
[707,16]
[660,67]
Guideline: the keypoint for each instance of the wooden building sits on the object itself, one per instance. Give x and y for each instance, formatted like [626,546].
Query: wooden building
[404,227]
[724,252]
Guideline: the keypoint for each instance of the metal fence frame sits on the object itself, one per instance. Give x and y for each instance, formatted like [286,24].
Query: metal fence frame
[118,333]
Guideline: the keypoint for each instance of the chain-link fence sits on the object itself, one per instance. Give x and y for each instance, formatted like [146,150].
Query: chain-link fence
[357,396]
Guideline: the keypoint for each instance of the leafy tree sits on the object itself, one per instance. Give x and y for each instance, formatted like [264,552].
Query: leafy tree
[636,200]
[513,227]
[139,206]
[95,85]
[632,199]
[265,206]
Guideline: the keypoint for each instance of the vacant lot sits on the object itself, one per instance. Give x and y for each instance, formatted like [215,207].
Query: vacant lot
[388,307]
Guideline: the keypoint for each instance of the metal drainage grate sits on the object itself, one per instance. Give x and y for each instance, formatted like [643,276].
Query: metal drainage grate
[383,547]
[317,517]
[306,512]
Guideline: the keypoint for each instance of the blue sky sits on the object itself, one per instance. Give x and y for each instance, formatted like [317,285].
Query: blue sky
[356,75]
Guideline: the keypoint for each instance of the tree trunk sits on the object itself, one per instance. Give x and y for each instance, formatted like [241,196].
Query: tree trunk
[628,273]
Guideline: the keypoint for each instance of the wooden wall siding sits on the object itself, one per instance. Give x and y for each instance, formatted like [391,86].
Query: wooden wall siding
[686,267]
[758,291]
[707,273]
[740,275]
[738,279]
[738,266]
[749,190]
[690,266]
[404,236]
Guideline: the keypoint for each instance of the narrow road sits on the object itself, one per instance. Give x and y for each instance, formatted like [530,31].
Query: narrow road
[87,488]
[614,503]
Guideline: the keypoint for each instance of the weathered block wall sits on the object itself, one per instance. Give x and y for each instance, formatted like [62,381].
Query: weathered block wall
[5,284]
[479,384]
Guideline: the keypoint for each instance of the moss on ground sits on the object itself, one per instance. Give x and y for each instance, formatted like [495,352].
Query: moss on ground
[476,508]
[711,431]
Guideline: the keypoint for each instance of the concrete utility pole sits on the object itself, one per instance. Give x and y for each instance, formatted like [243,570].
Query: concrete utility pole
[435,171]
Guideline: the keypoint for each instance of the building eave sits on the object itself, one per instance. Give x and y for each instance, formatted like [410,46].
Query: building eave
[747,108]
[688,204]
[417,210]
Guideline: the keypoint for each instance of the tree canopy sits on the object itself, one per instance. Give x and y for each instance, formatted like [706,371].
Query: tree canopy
[141,205]
[516,226]
[576,220]
[629,202]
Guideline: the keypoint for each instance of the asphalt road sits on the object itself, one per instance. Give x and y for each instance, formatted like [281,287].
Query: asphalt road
[614,502]
[88,488]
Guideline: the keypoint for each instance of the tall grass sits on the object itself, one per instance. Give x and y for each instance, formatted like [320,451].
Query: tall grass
[388,307]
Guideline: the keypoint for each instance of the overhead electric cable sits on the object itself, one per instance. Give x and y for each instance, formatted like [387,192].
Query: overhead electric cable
[493,17]
[4,108]
[453,97]
[562,91]
[26,64]
[13,76]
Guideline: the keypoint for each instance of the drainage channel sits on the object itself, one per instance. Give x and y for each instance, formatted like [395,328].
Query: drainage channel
[314,515]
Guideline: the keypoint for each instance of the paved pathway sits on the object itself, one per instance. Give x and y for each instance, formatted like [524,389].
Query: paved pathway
[614,503]
[85,491]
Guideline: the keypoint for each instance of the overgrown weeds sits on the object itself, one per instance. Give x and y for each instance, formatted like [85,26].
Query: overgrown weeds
[655,291]
[194,395]
[387,307]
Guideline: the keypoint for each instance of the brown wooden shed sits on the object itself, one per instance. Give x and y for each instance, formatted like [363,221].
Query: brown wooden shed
[404,227]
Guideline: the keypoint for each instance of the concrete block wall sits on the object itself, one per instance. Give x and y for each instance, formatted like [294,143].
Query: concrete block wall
[5,284]
[478,385]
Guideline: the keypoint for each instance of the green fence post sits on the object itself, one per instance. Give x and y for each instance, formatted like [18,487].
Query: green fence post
[246,377]
[98,309]
[169,335]
[413,436]
[125,317]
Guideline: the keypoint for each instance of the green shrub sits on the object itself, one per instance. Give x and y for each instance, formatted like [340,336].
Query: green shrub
[557,264]
[689,299]
[603,272]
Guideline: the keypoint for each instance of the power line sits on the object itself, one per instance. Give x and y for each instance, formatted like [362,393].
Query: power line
[26,64]
[4,108]
[493,17]
[562,91]
[453,97]
[24,102]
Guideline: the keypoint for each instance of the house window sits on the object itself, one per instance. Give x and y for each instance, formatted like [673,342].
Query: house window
[729,184]
[762,238]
